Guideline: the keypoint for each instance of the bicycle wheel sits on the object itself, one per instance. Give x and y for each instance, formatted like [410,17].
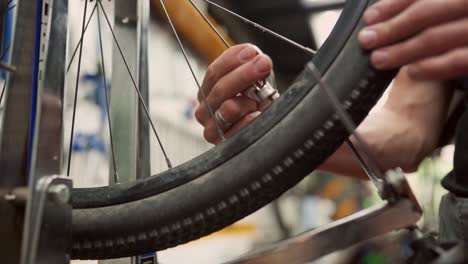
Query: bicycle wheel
[242,174]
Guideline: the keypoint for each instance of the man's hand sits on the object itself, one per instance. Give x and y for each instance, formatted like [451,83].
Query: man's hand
[431,36]
[226,78]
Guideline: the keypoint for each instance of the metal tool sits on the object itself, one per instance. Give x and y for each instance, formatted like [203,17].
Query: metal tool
[263,90]
[402,211]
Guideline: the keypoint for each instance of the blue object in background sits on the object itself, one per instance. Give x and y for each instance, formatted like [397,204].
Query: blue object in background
[7,33]
[95,142]
[79,142]
[149,258]
[190,109]
[87,142]
[99,93]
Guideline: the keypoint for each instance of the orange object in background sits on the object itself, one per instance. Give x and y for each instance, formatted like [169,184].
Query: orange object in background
[343,193]
[193,28]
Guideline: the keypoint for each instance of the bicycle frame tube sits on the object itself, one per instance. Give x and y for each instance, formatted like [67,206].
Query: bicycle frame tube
[16,124]
[46,158]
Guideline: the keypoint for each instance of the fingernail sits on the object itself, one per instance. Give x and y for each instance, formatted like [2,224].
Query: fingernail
[379,58]
[255,114]
[259,51]
[262,65]
[367,37]
[247,53]
[371,15]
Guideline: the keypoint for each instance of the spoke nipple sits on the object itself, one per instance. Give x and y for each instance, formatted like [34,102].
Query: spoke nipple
[169,164]
[116,178]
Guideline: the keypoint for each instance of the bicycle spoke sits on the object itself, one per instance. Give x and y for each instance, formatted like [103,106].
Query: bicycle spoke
[76,89]
[262,28]
[210,24]
[81,39]
[377,172]
[319,6]
[3,91]
[140,97]
[5,52]
[369,172]
[205,101]
[106,91]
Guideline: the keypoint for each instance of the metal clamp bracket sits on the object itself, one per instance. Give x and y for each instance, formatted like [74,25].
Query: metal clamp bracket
[47,229]
[399,212]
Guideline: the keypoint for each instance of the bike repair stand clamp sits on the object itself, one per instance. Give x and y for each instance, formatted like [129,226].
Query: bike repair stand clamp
[400,211]
[395,187]
[47,227]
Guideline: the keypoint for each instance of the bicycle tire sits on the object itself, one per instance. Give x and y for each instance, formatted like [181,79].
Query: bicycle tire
[240,175]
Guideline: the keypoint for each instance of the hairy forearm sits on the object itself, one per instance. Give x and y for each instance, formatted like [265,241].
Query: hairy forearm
[402,132]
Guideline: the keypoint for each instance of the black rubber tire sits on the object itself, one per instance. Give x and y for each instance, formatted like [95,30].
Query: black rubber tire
[244,173]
